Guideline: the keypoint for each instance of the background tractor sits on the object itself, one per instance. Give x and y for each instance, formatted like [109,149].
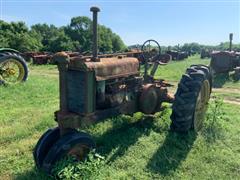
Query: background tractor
[13,68]
[95,88]
[226,61]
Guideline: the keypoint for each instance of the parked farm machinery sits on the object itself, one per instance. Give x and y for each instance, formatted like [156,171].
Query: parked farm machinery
[177,55]
[95,88]
[13,68]
[205,53]
[226,61]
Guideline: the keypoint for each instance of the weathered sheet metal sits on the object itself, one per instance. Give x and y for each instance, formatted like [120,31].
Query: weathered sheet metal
[108,68]
[224,61]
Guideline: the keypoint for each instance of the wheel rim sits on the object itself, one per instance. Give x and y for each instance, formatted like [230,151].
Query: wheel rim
[201,105]
[79,151]
[12,71]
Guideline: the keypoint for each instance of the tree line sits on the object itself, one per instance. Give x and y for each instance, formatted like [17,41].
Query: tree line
[195,47]
[77,36]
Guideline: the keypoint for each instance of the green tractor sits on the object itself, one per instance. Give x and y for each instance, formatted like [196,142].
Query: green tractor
[13,67]
[94,88]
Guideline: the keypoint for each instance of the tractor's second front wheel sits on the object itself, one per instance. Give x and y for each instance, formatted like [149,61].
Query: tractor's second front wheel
[191,99]
[76,145]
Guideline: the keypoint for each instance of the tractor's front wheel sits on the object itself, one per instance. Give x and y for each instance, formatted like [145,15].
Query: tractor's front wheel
[191,99]
[43,145]
[76,145]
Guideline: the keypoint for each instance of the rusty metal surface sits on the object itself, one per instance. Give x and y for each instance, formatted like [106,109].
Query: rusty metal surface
[117,86]
[95,11]
[148,100]
[224,61]
[108,68]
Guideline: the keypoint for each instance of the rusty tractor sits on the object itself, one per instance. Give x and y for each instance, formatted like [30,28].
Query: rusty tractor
[95,88]
[177,55]
[226,61]
[13,68]
[205,53]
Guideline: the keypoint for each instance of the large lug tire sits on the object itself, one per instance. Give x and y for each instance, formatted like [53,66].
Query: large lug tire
[208,72]
[18,65]
[77,145]
[191,99]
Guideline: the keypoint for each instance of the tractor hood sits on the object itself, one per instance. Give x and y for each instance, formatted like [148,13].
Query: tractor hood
[107,68]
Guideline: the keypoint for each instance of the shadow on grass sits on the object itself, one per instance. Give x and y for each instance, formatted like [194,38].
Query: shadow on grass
[32,174]
[220,79]
[173,151]
[122,137]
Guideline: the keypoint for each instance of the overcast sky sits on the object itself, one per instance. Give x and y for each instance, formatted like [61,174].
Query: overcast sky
[168,21]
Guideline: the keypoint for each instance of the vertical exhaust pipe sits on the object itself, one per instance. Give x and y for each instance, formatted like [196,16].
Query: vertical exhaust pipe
[230,38]
[95,11]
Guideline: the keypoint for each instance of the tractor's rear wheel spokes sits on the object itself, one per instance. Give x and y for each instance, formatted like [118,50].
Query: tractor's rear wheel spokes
[13,69]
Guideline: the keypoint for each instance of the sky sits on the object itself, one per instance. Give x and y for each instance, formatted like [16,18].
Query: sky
[170,22]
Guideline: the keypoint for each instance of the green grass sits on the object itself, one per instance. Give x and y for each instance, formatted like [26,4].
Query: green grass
[174,70]
[133,147]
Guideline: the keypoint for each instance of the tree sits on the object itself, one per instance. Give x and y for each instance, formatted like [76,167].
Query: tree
[17,36]
[43,37]
[61,43]
[80,30]
[117,43]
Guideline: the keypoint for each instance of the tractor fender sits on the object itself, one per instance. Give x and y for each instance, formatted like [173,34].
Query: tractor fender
[8,50]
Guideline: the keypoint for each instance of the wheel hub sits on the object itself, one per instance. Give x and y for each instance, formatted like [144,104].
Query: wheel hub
[201,105]
[79,151]
[11,71]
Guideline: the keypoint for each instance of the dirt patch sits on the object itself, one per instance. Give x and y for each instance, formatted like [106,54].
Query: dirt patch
[231,102]
[226,90]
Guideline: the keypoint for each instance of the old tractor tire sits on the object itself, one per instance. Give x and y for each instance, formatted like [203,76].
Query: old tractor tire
[208,72]
[77,145]
[191,99]
[44,144]
[10,64]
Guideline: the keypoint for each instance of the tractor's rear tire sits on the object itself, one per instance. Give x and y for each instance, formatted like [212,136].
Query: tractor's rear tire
[191,99]
[77,145]
[10,57]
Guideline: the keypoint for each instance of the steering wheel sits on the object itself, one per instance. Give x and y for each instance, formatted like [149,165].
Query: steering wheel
[151,52]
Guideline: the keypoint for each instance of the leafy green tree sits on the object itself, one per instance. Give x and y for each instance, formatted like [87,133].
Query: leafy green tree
[61,43]
[80,30]
[43,37]
[105,39]
[117,43]
[17,36]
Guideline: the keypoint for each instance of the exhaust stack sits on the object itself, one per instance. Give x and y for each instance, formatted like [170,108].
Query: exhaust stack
[95,11]
[230,38]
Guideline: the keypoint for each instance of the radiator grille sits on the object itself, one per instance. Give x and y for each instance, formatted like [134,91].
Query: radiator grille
[81,92]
